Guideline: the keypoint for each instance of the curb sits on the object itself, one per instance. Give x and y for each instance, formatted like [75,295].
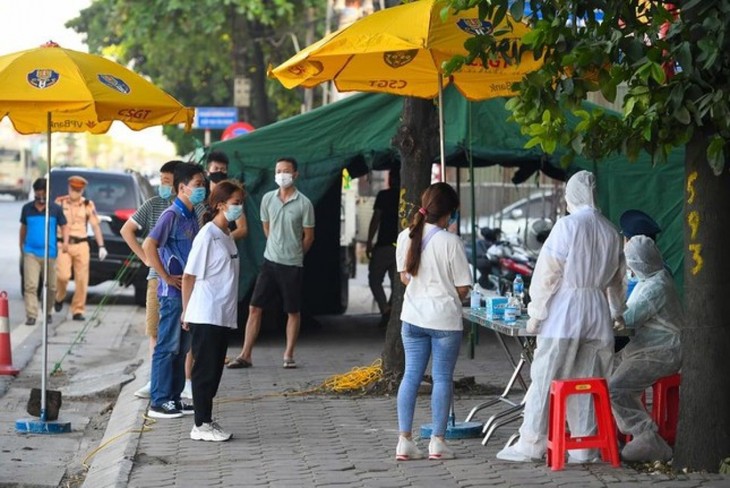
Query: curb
[114,460]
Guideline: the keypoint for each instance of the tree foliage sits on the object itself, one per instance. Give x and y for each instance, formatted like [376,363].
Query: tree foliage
[194,48]
[674,62]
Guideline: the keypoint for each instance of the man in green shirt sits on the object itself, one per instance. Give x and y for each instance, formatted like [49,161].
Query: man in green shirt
[288,221]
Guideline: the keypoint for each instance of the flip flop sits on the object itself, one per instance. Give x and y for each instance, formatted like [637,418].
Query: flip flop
[238,363]
[289,363]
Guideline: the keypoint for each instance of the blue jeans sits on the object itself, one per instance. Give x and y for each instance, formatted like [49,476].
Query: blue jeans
[167,379]
[419,345]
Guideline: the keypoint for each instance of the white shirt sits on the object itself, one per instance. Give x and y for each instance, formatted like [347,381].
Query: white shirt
[431,300]
[213,261]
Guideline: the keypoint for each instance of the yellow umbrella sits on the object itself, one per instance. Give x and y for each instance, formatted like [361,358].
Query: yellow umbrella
[82,92]
[51,89]
[400,50]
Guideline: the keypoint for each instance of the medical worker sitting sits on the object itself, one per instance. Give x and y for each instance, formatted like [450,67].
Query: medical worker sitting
[655,310]
[579,265]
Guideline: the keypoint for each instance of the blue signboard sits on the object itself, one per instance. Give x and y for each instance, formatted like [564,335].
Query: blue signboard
[215,117]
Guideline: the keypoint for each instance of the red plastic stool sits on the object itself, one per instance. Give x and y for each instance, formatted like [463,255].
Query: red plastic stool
[559,441]
[665,409]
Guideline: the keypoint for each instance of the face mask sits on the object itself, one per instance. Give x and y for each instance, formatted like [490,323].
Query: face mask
[197,195]
[164,191]
[233,212]
[284,180]
[454,217]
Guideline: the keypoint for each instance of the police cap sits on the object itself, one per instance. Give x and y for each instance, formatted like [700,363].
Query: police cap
[77,182]
[636,222]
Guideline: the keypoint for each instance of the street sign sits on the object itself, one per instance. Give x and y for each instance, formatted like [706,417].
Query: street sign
[241,91]
[214,117]
[235,130]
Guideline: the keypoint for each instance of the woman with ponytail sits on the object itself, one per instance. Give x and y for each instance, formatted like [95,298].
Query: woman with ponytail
[432,264]
[210,303]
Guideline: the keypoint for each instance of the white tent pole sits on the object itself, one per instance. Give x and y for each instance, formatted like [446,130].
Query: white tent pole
[441,129]
[44,361]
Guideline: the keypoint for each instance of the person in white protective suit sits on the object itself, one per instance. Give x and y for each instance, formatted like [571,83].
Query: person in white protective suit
[655,311]
[576,290]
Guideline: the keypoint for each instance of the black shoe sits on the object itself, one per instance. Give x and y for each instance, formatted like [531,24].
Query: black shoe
[30,321]
[185,408]
[79,316]
[165,411]
[58,306]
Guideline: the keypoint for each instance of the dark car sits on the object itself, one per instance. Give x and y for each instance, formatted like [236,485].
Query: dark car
[116,195]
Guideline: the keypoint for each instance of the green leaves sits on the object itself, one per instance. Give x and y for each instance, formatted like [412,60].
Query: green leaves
[716,154]
[634,50]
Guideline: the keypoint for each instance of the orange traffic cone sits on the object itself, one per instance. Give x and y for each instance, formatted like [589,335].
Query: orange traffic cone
[6,352]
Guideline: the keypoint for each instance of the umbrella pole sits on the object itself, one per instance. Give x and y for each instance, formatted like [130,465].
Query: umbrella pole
[44,426]
[44,361]
[441,129]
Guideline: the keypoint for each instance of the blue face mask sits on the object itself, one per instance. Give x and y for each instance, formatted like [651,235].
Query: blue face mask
[164,191]
[233,212]
[197,195]
[454,217]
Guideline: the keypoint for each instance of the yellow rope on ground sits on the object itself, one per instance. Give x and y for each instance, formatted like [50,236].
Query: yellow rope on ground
[145,427]
[358,377]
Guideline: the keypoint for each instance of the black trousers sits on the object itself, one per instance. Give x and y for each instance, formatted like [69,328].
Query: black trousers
[209,344]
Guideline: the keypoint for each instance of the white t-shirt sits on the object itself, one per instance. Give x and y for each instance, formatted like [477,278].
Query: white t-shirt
[213,261]
[431,300]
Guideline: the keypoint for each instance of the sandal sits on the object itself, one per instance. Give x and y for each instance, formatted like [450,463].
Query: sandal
[238,363]
[289,363]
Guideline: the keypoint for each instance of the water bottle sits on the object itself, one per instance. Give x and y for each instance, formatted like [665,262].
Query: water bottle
[476,298]
[518,288]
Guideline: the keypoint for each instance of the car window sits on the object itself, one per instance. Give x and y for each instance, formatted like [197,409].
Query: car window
[108,191]
[540,208]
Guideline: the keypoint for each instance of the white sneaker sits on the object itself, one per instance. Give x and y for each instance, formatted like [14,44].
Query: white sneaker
[407,450]
[143,392]
[209,432]
[437,449]
[187,392]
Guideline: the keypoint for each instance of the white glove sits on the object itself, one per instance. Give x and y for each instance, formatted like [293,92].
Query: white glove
[102,253]
[533,326]
[619,324]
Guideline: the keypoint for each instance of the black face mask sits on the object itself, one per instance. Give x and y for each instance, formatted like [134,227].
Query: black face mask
[218,177]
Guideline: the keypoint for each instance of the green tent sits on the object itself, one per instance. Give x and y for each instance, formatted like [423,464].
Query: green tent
[356,133]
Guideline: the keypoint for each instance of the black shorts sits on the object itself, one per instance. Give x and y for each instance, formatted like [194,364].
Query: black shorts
[278,280]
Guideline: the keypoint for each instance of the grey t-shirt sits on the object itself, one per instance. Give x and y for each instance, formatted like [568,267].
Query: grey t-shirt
[286,226]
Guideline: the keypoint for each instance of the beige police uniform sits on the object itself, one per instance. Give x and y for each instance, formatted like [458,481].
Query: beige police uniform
[78,214]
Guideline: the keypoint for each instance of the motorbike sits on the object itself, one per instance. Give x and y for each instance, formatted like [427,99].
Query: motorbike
[499,259]
[508,259]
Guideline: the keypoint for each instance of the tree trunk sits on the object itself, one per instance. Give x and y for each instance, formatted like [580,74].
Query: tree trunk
[703,437]
[417,142]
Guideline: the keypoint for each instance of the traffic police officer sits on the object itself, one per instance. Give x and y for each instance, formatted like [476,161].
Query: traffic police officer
[79,212]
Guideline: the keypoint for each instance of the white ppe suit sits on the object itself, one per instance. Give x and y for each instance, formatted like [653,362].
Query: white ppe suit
[655,311]
[578,268]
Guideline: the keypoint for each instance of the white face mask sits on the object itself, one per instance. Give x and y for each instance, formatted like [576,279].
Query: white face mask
[284,180]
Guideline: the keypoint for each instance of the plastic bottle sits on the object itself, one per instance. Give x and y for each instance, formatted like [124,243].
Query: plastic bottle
[518,289]
[476,299]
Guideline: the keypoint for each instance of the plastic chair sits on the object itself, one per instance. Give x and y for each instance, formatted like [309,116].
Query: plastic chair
[665,409]
[559,442]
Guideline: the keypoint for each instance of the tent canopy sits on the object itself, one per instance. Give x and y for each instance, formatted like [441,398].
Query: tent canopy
[356,134]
